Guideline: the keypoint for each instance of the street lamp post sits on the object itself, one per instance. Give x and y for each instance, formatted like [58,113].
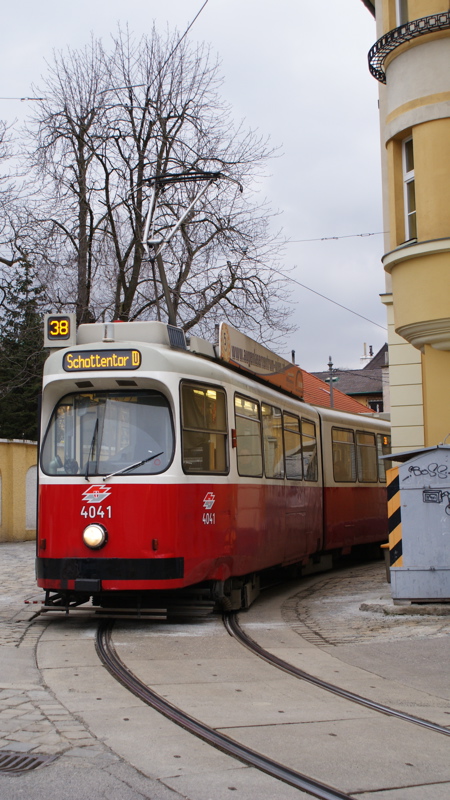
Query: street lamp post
[330,368]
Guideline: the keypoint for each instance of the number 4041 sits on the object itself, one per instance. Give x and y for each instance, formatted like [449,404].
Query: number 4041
[92,512]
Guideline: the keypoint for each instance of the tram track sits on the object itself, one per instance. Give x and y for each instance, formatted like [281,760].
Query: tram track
[121,672]
[235,630]
[109,657]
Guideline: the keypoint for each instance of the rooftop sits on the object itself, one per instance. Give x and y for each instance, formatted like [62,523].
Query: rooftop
[317,392]
[365,381]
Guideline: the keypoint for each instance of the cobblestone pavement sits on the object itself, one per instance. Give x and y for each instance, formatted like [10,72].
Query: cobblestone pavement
[33,722]
[31,719]
[329,610]
[17,584]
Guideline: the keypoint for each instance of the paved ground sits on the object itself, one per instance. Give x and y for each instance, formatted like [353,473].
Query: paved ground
[33,721]
[63,706]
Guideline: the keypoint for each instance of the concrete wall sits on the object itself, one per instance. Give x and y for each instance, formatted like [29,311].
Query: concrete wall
[18,475]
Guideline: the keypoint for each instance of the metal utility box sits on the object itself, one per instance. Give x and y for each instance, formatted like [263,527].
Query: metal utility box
[419,524]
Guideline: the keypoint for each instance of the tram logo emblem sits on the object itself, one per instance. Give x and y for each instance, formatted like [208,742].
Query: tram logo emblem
[96,494]
[209,500]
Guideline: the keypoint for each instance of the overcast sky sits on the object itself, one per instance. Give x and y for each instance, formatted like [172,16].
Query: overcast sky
[297,71]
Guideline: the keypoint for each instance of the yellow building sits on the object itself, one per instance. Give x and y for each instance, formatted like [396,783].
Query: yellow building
[18,473]
[411,60]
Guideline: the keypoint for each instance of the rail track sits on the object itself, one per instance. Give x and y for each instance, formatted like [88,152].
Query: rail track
[234,629]
[299,780]
[120,672]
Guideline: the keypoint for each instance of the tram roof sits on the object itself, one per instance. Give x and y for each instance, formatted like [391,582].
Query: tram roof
[162,337]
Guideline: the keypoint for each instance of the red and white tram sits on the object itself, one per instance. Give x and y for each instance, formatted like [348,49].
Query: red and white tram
[163,467]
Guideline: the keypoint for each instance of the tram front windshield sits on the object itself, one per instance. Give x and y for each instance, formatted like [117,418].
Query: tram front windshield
[100,433]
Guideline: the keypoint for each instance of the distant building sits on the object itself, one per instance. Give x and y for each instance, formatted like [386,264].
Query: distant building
[364,385]
[317,392]
[411,61]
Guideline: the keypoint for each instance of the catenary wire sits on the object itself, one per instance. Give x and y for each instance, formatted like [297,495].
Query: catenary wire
[336,238]
[136,86]
[324,297]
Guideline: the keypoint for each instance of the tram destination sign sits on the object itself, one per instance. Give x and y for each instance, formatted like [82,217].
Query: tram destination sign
[244,352]
[82,360]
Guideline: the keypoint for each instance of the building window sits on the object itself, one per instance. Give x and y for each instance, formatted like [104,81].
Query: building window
[401,8]
[409,190]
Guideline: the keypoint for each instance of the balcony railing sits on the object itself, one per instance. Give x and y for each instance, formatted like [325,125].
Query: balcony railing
[404,33]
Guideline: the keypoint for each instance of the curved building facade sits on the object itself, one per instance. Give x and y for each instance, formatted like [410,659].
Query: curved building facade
[411,60]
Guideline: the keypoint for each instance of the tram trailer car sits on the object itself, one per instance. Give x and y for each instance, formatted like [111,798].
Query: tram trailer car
[162,468]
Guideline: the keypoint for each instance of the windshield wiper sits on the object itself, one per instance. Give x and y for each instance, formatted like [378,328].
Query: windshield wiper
[91,450]
[132,466]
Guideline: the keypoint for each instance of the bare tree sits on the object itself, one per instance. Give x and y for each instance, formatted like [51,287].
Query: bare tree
[140,124]
[67,128]
[12,221]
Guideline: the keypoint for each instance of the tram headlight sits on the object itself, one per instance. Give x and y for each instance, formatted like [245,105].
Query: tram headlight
[95,536]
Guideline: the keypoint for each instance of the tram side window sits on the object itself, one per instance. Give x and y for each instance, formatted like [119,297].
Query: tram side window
[293,447]
[204,424]
[273,442]
[344,456]
[384,448]
[367,457]
[248,437]
[309,446]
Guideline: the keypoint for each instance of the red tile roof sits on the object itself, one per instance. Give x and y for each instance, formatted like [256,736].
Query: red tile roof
[317,393]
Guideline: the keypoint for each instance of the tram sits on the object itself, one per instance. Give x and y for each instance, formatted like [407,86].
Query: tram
[170,466]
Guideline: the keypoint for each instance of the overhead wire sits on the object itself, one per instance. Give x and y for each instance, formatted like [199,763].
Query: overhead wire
[336,238]
[22,98]
[174,49]
[333,238]
[324,297]
[140,84]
